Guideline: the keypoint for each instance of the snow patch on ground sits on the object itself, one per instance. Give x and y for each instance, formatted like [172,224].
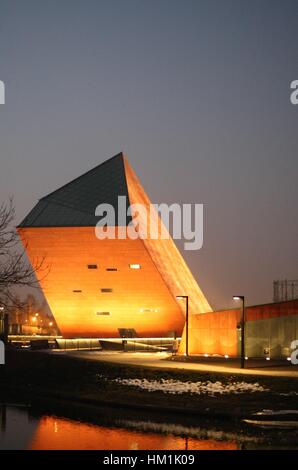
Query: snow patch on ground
[273,424]
[176,387]
[277,412]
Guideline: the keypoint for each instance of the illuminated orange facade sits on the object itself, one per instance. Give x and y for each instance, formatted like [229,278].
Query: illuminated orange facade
[111,287]
[212,333]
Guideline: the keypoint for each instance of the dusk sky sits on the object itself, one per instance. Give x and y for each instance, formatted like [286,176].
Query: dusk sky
[195,92]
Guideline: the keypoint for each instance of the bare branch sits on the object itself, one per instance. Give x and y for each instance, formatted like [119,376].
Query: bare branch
[15,271]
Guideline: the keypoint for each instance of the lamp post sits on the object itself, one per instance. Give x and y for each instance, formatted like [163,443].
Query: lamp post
[242,325]
[179,297]
[1,322]
[4,324]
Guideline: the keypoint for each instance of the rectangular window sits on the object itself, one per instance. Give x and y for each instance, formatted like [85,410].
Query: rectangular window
[92,266]
[77,291]
[111,269]
[103,313]
[106,289]
[147,310]
[135,266]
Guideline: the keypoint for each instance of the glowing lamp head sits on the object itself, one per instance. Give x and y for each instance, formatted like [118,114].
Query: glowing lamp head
[238,297]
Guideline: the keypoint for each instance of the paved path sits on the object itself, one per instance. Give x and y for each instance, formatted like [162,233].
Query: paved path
[158,360]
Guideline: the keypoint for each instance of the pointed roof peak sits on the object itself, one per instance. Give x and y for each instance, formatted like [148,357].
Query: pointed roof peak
[74,204]
[118,156]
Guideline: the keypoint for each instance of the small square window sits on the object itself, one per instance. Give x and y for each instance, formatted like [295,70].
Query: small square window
[92,266]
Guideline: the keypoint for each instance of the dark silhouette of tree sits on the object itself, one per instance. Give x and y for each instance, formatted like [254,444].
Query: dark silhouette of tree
[15,270]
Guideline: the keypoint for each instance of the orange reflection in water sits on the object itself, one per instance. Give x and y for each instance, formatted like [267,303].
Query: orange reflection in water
[61,434]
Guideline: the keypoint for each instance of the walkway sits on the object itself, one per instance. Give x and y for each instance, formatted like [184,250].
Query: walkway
[158,360]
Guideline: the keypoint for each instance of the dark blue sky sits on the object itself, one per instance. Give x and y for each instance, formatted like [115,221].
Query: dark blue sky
[196,93]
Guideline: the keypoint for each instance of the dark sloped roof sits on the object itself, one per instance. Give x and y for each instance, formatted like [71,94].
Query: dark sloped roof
[73,205]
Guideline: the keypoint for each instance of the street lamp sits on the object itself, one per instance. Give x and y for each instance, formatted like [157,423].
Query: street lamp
[1,320]
[242,326]
[179,297]
[4,324]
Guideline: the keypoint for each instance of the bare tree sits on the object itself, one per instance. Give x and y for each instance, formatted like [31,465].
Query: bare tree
[15,271]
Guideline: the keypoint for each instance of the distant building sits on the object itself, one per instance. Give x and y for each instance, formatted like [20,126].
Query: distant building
[111,287]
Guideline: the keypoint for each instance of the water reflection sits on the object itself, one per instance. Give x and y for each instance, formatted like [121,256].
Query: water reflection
[19,430]
[58,433]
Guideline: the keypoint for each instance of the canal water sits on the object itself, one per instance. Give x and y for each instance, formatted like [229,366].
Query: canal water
[22,427]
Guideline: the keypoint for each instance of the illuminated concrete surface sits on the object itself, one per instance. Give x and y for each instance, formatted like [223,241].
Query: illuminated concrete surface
[69,251]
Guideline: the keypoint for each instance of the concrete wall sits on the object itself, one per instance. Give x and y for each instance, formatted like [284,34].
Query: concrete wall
[270,329]
[271,337]
[212,333]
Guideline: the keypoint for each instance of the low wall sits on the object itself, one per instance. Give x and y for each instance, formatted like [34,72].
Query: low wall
[78,344]
[212,333]
[270,329]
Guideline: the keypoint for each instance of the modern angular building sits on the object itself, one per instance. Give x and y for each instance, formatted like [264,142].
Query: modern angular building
[112,287]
